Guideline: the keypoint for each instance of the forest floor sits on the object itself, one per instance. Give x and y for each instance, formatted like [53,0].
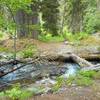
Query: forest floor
[74,93]
[86,48]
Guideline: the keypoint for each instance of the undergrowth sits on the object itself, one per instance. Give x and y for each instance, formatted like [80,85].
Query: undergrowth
[49,38]
[16,93]
[82,78]
[3,49]
[29,51]
[65,36]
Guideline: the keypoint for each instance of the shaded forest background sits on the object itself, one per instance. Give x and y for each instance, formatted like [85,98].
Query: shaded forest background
[32,18]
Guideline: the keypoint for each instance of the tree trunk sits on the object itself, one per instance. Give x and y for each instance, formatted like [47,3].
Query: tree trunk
[76,17]
[20,21]
[82,62]
[27,23]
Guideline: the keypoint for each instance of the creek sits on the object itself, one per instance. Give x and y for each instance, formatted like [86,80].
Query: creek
[39,72]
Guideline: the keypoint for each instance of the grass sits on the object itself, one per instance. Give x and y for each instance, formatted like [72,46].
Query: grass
[82,78]
[16,93]
[58,85]
[50,38]
[65,36]
[29,51]
[83,81]
[3,49]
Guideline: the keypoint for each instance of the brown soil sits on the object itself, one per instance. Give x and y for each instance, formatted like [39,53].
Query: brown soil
[73,93]
[88,49]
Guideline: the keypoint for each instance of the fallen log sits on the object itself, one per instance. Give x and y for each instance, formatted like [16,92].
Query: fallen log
[82,62]
[14,69]
[94,67]
[14,62]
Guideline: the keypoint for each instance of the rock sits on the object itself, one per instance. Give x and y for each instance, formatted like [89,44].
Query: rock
[46,81]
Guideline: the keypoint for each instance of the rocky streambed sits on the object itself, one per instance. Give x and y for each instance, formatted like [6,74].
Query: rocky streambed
[40,73]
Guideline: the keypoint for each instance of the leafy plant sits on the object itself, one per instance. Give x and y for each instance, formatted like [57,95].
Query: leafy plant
[82,78]
[83,81]
[89,74]
[16,93]
[29,51]
[75,37]
[70,80]
[49,38]
[59,83]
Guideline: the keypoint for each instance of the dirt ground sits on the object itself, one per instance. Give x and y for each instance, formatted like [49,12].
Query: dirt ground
[73,93]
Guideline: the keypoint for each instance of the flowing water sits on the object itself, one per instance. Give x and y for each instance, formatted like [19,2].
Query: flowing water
[34,71]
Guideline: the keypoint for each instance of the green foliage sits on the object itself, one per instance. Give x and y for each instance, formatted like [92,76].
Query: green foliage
[49,38]
[68,36]
[8,10]
[83,81]
[16,4]
[1,35]
[2,94]
[16,93]
[91,17]
[83,78]
[89,74]
[75,37]
[70,80]
[3,49]
[50,13]
[58,85]
[92,22]
[29,51]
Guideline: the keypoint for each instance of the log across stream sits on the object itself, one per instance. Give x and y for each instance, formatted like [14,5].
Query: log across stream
[38,69]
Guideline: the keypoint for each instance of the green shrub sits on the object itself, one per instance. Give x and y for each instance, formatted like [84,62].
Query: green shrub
[58,85]
[92,21]
[89,74]
[82,78]
[83,81]
[65,36]
[16,93]
[49,38]
[75,37]
[29,51]
[2,94]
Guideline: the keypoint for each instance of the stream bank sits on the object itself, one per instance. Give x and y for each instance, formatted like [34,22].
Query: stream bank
[47,71]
